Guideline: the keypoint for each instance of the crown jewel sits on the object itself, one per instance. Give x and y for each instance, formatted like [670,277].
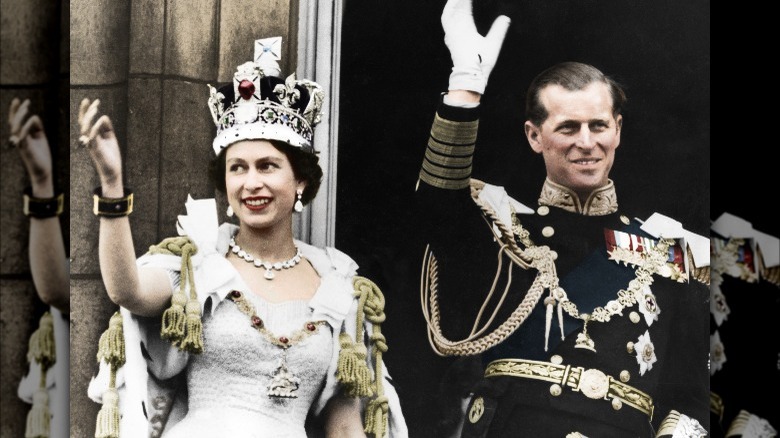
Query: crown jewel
[260,105]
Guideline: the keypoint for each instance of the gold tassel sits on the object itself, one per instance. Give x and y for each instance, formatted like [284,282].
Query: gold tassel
[372,305]
[108,418]
[41,348]
[111,346]
[376,417]
[353,371]
[39,417]
[181,323]
[174,319]
[111,349]
[193,340]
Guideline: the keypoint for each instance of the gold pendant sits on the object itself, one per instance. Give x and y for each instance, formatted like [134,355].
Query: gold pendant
[284,383]
[583,339]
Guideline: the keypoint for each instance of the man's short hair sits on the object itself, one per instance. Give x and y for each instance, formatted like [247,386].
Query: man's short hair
[572,76]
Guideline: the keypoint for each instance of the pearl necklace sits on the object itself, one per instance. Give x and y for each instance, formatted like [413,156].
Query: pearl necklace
[269,267]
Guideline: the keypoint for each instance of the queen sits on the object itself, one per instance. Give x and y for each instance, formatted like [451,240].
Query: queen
[238,330]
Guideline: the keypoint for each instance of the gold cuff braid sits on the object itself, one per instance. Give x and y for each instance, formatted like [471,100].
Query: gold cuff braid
[448,157]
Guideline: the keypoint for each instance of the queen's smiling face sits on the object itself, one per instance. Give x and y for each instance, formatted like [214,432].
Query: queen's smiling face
[261,185]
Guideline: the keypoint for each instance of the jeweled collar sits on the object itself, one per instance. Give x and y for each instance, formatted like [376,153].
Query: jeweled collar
[601,202]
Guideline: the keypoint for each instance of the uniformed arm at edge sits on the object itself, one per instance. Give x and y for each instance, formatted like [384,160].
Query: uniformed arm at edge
[676,424]
[448,157]
[748,425]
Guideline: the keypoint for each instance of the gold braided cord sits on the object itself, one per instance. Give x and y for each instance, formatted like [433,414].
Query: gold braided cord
[540,258]
[474,330]
[469,347]
[536,257]
[653,261]
[181,323]
[371,303]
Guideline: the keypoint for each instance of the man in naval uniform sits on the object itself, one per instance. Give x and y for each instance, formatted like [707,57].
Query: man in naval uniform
[744,304]
[585,322]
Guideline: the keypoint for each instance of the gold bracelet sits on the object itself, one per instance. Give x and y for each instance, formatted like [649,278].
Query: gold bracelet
[112,207]
[42,208]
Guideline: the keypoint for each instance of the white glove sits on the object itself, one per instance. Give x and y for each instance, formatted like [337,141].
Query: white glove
[473,56]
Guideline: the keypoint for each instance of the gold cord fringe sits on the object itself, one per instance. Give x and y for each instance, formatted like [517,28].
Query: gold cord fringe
[182,323]
[108,418]
[39,417]
[353,372]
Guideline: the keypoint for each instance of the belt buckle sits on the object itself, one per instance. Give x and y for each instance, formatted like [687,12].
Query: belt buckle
[593,384]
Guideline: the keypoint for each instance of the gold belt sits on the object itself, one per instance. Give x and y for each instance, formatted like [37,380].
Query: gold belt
[592,383]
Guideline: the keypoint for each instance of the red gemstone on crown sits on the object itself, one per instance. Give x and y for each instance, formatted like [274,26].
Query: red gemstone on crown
[310,327]
[283,340]
[256,321]
[246,89]
[236,294]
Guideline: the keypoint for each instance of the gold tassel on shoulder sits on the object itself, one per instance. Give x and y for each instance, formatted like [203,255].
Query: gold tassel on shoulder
[41,349]
[173,318]
[111,349]
[181,323]
[372,303]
